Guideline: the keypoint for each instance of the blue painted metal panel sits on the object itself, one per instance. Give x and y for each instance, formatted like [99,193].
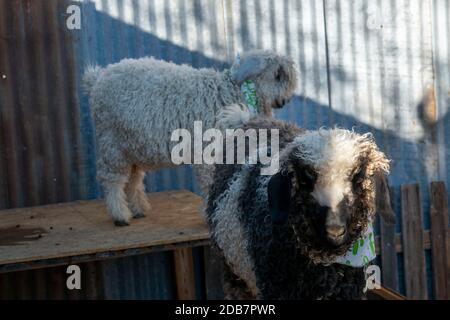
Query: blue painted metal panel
[113,30]
[347,53]
[362,64]
[148,276]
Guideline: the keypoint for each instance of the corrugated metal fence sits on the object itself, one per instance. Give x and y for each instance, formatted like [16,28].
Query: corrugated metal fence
[379,66]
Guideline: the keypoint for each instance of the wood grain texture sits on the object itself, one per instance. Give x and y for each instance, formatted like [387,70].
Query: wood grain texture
[439,241]
[413,248]
[399,245]
[184,273]
[213,274]
[388,255]
[388,252]
[384,294]
[83,227]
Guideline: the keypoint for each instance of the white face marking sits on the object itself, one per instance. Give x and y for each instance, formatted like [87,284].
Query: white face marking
[330,195]
[333,154]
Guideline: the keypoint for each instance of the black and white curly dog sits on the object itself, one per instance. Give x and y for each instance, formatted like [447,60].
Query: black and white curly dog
[279,235]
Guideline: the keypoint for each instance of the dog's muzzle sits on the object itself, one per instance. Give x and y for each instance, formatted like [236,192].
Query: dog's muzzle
[280,103]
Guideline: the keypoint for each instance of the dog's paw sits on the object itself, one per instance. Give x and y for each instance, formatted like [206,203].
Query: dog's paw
[121,223]
[138,215]
[232,116]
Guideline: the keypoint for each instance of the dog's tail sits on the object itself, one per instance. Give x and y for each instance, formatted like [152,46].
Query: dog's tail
[90,77]
[232,116]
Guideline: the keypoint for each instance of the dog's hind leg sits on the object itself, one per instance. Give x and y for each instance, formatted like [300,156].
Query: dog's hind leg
[135,191]
[235,288]
[116,201]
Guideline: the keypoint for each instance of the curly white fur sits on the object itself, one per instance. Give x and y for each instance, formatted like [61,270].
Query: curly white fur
[232,116]
[230,236]
[240,218]
[333,153]
[137,104]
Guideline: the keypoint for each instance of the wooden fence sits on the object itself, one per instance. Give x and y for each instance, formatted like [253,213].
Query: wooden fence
[82,233]
[413,241]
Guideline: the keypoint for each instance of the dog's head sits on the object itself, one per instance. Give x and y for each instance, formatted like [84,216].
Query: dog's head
[275,77]
[327,188]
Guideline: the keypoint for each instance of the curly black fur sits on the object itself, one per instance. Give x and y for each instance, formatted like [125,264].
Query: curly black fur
[282,270]
[287,257]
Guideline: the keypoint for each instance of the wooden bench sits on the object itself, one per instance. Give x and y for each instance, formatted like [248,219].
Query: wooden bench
[82,231]
[384,294]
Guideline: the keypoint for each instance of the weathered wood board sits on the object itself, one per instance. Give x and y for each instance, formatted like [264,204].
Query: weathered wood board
[84,227]
[413,248]
[184,273]
[440,241]
[384,294]
[389,255]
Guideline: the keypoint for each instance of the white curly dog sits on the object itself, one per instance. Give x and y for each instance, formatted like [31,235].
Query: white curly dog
[137,104]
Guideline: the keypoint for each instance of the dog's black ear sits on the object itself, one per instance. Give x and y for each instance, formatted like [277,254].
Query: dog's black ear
[279,194]
[383,198]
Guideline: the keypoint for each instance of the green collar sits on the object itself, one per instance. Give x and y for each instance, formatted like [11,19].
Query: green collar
[248,89]
[361,252]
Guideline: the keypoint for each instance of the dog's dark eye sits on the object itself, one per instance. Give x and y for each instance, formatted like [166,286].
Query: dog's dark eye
[357,178]
[307,178]
[279,74]
[310,176]
[357,175]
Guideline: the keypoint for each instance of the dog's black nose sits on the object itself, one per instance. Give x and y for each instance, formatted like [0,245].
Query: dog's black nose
[336,234]
[278,103]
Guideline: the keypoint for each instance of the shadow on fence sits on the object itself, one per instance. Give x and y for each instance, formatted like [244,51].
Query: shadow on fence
[48,133]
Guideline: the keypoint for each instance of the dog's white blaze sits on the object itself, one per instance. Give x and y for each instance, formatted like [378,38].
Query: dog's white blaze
[333,154]
[330,195]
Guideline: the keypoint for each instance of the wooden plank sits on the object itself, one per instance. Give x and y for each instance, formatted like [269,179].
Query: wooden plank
[184,274]
[384,294]
[399,245]
[107,255]
[439,241]
[388,253]
[100,256]
[213,274]
[83,228]
[413,249]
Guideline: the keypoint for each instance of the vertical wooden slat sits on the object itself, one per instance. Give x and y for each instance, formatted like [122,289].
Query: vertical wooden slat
[213,274]
[440,248]
[388,253]
[413,248]
[184,273]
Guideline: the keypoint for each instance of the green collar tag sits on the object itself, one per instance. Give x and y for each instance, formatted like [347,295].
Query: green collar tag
[249,91]
[361,252]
